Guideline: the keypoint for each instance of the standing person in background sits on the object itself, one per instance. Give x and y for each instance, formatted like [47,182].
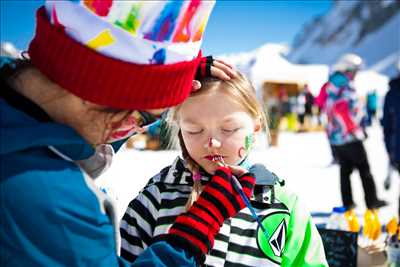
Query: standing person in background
[391,123]
[309,106]
[306,99]
[372,106]
[340,103]
[301,111]
[96,75]
[283,97]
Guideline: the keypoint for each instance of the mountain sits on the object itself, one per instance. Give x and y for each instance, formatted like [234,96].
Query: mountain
[370,29]
[9,50]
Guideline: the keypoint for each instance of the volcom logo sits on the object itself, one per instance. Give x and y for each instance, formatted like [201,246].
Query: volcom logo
[277,240]
[276,225]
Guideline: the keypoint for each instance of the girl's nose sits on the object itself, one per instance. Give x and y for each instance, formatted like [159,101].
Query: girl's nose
[212,143]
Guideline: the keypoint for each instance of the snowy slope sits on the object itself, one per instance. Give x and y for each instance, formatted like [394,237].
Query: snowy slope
[368,28]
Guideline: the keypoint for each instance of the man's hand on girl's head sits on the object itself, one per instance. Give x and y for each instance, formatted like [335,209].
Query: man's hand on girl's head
[222,70]
[210,67]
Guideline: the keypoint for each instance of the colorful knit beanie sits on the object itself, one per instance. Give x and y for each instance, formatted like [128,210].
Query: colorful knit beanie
[121,54]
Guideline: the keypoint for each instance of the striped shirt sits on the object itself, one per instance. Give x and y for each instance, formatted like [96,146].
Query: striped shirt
[240,242]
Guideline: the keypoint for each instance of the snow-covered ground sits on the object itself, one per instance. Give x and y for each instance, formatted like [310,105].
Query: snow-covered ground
[301,159]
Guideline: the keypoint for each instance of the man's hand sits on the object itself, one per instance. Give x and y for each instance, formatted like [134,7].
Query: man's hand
[210,67]
[222,70]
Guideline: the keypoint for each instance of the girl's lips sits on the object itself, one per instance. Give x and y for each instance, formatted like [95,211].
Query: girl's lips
[213,157]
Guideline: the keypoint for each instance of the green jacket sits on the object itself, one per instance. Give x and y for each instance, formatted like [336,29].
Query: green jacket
[303,245]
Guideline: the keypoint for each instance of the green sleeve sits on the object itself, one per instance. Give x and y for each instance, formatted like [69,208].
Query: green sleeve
[303,245]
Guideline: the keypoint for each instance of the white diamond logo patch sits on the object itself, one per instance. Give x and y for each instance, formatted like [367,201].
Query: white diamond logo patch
[277,240]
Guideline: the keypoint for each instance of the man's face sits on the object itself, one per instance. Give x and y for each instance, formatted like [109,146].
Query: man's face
[216,117]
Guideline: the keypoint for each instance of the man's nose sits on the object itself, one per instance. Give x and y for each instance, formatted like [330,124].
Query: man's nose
[212,143]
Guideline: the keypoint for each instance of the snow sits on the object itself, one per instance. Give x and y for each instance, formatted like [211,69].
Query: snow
[301,159]
[366,81]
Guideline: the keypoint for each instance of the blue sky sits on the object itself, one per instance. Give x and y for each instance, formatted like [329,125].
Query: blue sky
[234,26]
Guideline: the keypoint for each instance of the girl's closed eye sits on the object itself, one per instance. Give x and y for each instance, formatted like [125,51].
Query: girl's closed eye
[194,131]
[230,130]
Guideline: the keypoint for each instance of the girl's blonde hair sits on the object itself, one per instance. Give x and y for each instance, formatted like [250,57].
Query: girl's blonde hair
[240,90]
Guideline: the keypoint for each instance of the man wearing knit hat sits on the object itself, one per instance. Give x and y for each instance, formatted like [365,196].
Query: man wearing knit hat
[97,72]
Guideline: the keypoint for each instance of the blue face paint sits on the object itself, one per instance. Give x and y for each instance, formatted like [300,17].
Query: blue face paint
[245,163]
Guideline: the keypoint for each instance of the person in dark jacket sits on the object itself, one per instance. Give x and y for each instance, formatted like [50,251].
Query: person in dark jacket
[391,123]
[90,79]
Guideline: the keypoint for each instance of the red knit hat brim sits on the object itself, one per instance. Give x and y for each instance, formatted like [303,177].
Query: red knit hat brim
[104,80]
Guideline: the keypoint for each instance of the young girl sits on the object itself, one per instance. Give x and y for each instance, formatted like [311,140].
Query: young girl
[218,125]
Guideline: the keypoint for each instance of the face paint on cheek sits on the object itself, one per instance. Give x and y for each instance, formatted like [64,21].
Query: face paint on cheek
[122,131]
[123,134]
[248,142]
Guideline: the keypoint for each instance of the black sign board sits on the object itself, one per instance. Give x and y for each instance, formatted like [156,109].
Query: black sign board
[340,247]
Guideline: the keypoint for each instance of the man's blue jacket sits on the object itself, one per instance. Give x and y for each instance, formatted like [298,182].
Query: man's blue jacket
[51,212]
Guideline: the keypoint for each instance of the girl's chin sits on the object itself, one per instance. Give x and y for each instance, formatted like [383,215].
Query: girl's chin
[209,168]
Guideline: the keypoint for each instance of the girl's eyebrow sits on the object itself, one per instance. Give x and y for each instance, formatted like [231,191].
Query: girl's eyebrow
[228,119]
[191,121]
